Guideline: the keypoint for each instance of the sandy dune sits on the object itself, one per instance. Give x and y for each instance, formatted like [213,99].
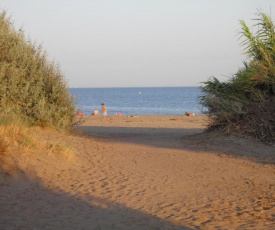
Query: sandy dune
[146,172]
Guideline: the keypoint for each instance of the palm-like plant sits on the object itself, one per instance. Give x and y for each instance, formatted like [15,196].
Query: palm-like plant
[246,102]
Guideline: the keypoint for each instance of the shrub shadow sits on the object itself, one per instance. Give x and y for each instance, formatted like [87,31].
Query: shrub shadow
[27,204]
[196,140]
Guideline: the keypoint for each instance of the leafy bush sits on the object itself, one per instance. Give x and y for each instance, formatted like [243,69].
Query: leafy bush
[246,102]
[30,86]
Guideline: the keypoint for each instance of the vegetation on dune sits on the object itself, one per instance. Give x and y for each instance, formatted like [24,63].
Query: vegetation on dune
[19,143]
[246,102]
[31,87]
[33,92]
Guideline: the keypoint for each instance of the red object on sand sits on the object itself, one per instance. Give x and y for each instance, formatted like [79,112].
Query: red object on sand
[79,113]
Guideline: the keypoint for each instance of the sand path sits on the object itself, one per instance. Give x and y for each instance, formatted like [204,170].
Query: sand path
[147,173]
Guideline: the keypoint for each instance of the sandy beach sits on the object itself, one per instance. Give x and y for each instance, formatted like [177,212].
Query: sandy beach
[143,172]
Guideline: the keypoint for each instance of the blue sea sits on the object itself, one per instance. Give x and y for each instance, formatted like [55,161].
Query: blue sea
[139,101]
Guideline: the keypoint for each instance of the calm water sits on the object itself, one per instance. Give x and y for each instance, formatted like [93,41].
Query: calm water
[139,101]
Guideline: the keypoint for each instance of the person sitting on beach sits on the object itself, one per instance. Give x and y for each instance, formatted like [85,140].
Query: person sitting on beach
[190,114]
[95,113]
[104,110]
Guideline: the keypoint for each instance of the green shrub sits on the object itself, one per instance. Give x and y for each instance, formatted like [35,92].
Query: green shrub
[31,86]
[246,102]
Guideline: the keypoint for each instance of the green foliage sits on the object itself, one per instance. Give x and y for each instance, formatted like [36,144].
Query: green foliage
[31,86]
[246,103]
[13,119]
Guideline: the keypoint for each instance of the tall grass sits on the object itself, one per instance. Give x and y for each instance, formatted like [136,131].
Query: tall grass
[18,140]
[31,86]
[246,102]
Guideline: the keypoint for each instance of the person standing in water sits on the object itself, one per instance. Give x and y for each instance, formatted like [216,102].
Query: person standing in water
[104,110]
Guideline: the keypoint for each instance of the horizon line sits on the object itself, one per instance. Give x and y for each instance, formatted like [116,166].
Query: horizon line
[110,87]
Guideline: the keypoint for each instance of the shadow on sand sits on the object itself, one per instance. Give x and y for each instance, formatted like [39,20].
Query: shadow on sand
[195,140]
[26,204]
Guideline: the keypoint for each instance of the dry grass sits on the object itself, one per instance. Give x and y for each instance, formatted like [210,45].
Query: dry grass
[60,150]
[16,136]
[3,147]
[19,144]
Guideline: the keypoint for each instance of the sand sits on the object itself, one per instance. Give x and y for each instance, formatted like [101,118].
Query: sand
[144,172]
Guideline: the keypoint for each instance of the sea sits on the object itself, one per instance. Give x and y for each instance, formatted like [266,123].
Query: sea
[139,101]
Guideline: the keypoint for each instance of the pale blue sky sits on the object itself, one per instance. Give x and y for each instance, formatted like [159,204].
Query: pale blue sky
[136,43]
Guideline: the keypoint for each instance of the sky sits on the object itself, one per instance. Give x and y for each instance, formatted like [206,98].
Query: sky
[139,43]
